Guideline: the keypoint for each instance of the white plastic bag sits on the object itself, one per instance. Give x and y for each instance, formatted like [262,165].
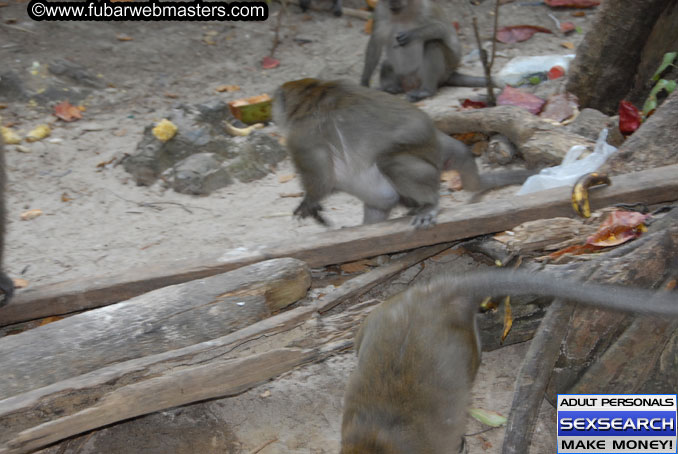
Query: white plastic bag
[520,67]
[571,168]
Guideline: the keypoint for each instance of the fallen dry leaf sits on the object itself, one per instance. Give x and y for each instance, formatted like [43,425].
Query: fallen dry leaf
[629,118]
[560,106]
[567,27]
[266,393]
[171,95]
[269,63]
[359,266]
[578,14]
[30,214]
[577,249]
[619,227]
[513,97]
[67,112]
[369,25]
[48,320]
[20,283]
[65,197]
[567,44]
[471,104]
[508,318]
[123,37]
[518,33]
[291,195]
[285,178]
[470,138]
[105,163]
[572,3]
[227,88]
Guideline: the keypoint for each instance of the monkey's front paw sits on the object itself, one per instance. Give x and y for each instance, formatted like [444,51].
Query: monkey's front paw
[7,287]
[425,220]
[418,95]
[403,38]
[306,209]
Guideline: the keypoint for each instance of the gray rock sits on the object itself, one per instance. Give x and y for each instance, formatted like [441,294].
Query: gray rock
[74,73]
[256,157]
[198,174]
[218,158]
[12,87]
[500,150]
[589,123]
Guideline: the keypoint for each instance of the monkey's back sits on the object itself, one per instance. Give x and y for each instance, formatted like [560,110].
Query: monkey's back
[414,376]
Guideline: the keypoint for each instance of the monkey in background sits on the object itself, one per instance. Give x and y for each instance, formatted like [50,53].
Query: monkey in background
[418,354]
[6,284]
[374,146]
[421,46]
[336,6]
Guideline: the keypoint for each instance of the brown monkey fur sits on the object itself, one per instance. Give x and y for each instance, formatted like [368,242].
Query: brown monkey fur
[6,284]
[374,146]
[418,354]
[421,46]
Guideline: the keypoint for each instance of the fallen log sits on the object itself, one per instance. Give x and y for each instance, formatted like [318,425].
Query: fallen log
[159,321]
[541,143]
[220,367]
[338,246]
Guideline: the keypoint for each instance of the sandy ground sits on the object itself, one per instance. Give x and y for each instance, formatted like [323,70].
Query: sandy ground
[109,224]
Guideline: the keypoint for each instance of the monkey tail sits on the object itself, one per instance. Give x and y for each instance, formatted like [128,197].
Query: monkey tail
[465,80]
[495,283]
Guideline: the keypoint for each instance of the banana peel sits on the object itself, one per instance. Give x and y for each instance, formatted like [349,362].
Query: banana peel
[232,130]
[580,193]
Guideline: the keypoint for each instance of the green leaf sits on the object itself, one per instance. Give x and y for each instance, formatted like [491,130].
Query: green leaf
[578,29]
[667,61]
[534,80]
[651,101]
[487,417]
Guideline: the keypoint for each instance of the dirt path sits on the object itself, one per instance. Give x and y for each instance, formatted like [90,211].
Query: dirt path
[108,224]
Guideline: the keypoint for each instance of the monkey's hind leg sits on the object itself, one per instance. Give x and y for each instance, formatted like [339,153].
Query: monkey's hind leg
[431,73]
[389,80]
[417,183]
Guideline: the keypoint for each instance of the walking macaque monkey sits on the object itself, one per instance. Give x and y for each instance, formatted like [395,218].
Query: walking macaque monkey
[421,46]
[374,146]
[6,284]
[418,354]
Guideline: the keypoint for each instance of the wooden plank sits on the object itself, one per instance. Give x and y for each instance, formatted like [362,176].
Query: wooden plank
[344,245]
[162,320]
[223,367]
[85,402]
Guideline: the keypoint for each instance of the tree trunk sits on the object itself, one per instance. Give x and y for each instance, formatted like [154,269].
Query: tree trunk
[604,70]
